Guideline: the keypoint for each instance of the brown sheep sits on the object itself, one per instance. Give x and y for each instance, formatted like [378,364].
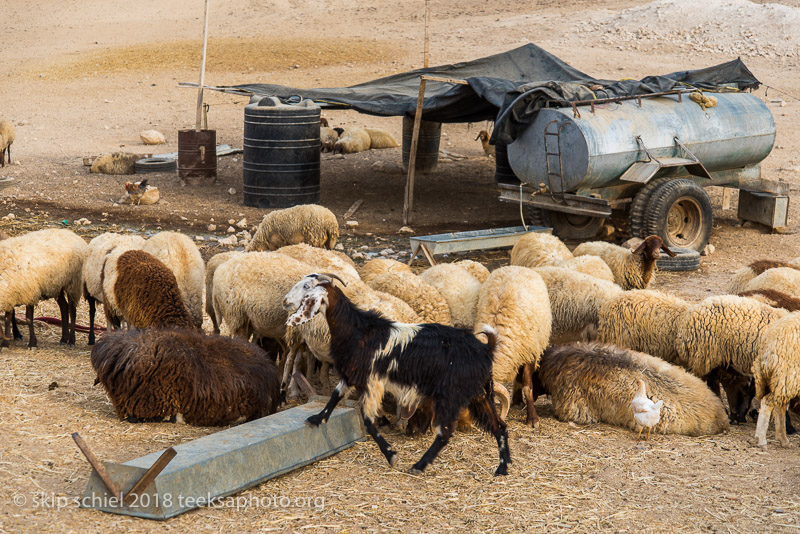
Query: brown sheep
[174,374]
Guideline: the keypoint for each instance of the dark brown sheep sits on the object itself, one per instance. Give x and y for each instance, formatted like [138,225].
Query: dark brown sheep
[776,299]
[169,374]
[142,291]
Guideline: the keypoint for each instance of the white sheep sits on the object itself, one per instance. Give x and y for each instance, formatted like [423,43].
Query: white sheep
[591,383]
[478,270]
[459,288]
[380,266]
[645,321]
[575,301]
[92,271]
[41,265]
[211,267]
[588,264]
[379,138]
[783,279]
[306,223]
[7,137]
[423,298]
[178,252]
[328,137]
[537,249]
[632,269]
[514,301]
[744,275]
[322,259]
[776,371]
[352,140]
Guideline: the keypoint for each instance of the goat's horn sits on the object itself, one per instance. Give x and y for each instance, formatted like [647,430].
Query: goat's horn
[331,275]
[505,399]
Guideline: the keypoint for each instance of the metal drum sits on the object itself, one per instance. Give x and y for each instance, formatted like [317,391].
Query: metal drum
[281,159]
[597,148]
[197,156]
[428,144]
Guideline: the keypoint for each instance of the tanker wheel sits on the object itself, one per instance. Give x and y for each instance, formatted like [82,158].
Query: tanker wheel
[570,226]
[540,217]
[679,212]
[638,206]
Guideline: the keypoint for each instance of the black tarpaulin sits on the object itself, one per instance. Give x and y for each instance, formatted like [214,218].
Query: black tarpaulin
[508,88]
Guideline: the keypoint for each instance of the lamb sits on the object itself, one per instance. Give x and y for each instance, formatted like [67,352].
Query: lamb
[352,140]
[775,371]
[423,298]
[484,136]
[324,260]
[380,139]
[644,320]
[773,298]
[459,288]
[37,266]
[783,279]
[743,276]
[537,249]
[514,302]
[632,269]
[306,223]
[115,163]
[575,301]
[380,266]
[7,137]
[92,272]
[176,374]
[211,268]
[178,252]
[591,382]
[450,366]
[142,291]
[478,270]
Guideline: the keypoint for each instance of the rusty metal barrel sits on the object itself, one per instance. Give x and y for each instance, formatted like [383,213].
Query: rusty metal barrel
[281,159]
[197,156]
[428,146]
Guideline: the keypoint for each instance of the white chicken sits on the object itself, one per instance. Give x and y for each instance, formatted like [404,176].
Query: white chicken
[646,413]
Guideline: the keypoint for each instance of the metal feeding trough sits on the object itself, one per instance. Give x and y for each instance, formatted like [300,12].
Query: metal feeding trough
[471,240]
[206,470]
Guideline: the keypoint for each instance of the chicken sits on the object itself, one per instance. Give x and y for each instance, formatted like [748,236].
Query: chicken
[646,413]
[140,193]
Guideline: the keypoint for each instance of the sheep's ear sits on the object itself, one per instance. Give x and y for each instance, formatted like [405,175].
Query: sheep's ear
[309,307]
[640,248]
[667,250]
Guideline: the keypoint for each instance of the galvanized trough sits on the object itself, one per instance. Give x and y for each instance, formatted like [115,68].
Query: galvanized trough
[470,240]
[224,463]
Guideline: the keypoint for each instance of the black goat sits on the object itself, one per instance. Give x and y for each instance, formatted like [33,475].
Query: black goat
[447,365]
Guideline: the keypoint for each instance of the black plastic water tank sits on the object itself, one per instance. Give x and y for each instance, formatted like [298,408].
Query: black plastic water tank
[428,145]
[503,173]
[281,154]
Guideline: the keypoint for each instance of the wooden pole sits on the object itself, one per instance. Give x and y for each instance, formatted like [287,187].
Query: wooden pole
[427,34]
[408,207]
[202,72]
[97,465]
[151,474]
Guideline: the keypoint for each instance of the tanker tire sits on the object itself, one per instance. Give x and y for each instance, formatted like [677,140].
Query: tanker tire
[679,212]
[638,206]
[568,226]
[540,217]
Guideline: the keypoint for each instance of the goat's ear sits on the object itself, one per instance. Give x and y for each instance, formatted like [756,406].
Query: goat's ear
[667,250]
[309,307]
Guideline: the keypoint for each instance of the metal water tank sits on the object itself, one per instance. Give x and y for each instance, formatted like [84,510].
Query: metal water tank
[281,159]
[597,148]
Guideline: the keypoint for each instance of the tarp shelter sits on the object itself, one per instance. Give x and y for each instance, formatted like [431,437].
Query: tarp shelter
[508,88]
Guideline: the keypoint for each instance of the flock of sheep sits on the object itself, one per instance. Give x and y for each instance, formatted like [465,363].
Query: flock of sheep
[581,327]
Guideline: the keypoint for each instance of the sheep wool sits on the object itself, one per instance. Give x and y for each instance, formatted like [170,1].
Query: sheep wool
[773,298]
[211,267]
[537,249]
[306,223]
[115,163]
[591,383]
[380,266]
[783,279]
[478,270]
[179,253]
[99,247]
[423,298]
[328,138]
[744,275]
[591,265]
[324,260]
[172,374]
[352,140]
[644,320]
[380,139]
[632,269]
[7,137]
[459,288]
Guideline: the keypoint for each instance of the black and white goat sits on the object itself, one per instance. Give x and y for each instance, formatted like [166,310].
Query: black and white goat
[448,365]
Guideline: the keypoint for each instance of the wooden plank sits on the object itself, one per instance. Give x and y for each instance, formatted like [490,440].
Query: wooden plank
[408,208]
[349,213]
[98,467]
[304,384]
[443,79]
[727,194]
[150,475]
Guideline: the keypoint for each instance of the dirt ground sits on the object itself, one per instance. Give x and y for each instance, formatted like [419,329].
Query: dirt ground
[81,79]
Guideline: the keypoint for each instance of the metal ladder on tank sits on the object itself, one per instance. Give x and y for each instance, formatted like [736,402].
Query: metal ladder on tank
[549,134]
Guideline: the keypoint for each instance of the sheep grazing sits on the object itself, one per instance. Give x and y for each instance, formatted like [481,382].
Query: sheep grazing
[92,271]
[211,268]
[592,383]
[514,302]
[773,298]
[380,266]
[459,288]
[179,253]
[306,223]
[632,269]
[537,249]
[478,270]
[42,265]
[783,279]
[379,139]
[448,365]
[423,298]
[575,302]
[352,140]
[484,136]
[142,291]
[644,320]
[744,275]
[324,260]
[174,374]
[589,265]
[776,371]
[115,163]
[7,137]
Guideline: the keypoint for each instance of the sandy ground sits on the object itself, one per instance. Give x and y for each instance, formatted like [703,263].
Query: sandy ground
[83,78]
